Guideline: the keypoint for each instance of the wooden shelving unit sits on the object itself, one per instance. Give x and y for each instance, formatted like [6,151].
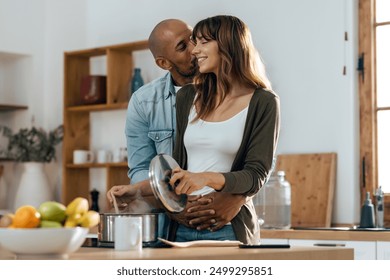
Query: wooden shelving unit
[77,64]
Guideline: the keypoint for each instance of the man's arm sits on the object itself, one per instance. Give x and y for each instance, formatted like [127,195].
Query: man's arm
[140,147]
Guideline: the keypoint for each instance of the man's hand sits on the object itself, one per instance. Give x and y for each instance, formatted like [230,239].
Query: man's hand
[214,210]
[123,195]
[180,217]
[133,198]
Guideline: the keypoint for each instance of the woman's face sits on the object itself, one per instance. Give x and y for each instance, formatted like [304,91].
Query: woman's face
[207,54]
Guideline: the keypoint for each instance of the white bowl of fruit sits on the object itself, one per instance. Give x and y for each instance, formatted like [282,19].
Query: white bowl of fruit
[50,229]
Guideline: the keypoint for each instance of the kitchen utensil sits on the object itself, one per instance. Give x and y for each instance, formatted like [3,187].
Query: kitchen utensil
[83,156]
[128,233]
[106,227]
[103,156]
[202,243]
[313,179]
[115,203]
[160,172]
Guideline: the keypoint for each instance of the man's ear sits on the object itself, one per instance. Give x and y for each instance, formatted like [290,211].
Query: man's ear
[163,63]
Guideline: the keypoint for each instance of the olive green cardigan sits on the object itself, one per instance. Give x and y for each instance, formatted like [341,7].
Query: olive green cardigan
[253,161]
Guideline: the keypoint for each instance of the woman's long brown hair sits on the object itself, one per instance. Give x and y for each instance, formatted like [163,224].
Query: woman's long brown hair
[240,61]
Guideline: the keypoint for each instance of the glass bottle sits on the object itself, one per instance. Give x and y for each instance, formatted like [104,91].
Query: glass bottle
[136,81]
[273,202]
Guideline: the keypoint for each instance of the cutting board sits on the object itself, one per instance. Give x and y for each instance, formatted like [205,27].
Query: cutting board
[313,179]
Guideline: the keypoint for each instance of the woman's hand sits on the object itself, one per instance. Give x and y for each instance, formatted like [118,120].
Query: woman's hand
[186,182]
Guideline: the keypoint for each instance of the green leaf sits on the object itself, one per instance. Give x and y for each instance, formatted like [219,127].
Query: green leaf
[33,144]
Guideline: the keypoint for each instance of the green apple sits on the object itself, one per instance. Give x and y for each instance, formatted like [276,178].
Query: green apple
[52,211]
[50,224]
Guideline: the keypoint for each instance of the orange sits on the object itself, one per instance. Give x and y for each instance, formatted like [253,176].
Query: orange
[26,217]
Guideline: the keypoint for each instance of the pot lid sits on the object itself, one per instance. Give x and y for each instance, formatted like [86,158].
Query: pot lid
[160,171]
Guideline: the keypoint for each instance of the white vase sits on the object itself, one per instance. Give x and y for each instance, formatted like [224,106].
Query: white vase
[34,186]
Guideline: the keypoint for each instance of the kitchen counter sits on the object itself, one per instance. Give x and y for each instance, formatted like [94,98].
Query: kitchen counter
[203,253]
[327,234]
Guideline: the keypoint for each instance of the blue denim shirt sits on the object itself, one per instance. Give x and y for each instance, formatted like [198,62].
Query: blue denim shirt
[150,125]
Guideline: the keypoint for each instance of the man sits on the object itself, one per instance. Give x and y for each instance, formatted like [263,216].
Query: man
[151,124]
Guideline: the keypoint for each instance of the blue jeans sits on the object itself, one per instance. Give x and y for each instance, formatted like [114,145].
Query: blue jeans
[184,234]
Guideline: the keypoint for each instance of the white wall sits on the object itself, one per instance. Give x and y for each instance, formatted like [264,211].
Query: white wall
[22,51]
[34,35]
[301,41]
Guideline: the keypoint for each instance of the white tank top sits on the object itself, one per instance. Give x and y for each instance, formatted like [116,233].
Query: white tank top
[212,146]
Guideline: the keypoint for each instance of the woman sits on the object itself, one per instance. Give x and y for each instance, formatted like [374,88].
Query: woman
[227,125]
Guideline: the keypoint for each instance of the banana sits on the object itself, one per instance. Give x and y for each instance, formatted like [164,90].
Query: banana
[73,220]
[90,219]
[79,205]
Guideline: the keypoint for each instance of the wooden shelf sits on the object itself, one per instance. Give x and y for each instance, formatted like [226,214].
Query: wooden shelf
[8,107]
[125,47]
[77,135]
[98,107]
[97,165]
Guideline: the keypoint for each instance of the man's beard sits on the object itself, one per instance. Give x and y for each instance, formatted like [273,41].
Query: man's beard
[190,74]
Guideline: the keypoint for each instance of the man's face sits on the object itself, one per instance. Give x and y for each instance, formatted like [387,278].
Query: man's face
[178,52]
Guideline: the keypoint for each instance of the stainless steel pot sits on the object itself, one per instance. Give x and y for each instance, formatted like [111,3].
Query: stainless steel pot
[107,224]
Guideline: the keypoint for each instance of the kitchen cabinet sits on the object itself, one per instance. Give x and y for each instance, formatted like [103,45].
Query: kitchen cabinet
[77,134]
[363,250]
[367,245]
[382,250]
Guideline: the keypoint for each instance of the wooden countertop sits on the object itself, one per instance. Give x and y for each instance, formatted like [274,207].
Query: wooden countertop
[326,234]
[202,253]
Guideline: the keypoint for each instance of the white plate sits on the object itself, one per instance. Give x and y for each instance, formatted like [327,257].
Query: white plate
[202,243]
[43,240]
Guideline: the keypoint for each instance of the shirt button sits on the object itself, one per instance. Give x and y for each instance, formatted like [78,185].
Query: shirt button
[157,138]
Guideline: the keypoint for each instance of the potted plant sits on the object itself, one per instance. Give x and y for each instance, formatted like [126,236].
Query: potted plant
[33,147]
[31,144]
